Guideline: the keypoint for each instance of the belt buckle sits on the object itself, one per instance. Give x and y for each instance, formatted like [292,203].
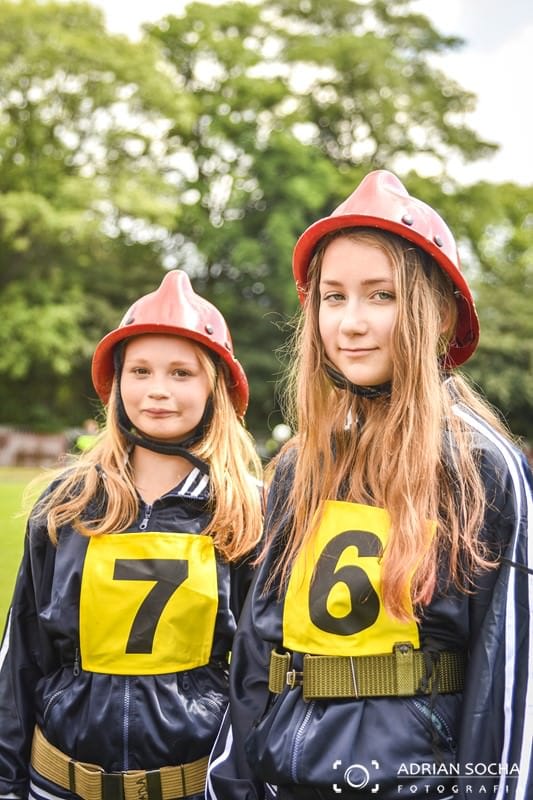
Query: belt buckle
[294,678]
[112,786]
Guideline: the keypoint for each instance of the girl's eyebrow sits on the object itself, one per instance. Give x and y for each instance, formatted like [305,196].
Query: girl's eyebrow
[181,363]
[365,282]
[147,361]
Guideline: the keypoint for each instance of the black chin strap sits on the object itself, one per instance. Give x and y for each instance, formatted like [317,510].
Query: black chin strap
[166,448]
[338,379]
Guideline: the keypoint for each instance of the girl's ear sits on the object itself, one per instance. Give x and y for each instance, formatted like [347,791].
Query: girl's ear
[448,324]
[445,319]
[448,315]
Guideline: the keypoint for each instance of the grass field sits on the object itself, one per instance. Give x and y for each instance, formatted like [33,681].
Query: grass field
[12,484]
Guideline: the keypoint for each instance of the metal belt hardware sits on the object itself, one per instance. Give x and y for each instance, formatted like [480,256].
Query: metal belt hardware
[294,678]
[402,673]
[90,782]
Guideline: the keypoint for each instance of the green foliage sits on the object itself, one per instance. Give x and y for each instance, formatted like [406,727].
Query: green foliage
[296,102]
[210,145]
[500,226]
[84,204]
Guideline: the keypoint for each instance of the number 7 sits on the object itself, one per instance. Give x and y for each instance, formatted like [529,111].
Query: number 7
[169,574]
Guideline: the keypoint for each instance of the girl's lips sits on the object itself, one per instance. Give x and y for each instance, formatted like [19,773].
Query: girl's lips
[357,351]
[158,412]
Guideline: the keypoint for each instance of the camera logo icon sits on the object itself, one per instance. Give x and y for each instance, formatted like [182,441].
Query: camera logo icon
[356,776]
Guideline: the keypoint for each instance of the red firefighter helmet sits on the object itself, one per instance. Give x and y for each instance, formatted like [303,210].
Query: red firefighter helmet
[382,201]
[173,308]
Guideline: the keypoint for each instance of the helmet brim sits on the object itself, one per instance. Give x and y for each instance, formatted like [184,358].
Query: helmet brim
[103,370]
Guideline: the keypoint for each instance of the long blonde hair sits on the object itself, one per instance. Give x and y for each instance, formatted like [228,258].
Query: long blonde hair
[97,494]
[394,455]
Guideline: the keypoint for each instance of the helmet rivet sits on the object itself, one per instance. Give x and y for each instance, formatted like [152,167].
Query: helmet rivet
[129,321]
[209,329]
[227,346]
[407,219]
[437,240]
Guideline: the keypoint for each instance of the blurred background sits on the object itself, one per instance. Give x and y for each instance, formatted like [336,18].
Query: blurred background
[137,138]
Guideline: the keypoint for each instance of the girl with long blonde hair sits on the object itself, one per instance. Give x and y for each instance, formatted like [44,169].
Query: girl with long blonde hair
[375,657]
[113,678]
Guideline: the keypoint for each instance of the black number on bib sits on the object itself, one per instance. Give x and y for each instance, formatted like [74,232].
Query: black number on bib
[169,574]
[364,600]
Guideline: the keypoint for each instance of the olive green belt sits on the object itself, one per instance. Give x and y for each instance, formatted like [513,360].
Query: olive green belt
[90,782]
[402,673]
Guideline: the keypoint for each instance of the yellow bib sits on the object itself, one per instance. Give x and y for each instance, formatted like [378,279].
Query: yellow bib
[333,604]
[148,603]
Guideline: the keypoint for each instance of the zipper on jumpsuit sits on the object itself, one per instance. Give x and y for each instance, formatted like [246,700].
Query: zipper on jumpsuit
[298,736]
[146,518]
[56,695]
[125,720]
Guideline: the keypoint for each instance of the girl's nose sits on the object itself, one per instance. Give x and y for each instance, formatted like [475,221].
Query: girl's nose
[353,319]
[158,390]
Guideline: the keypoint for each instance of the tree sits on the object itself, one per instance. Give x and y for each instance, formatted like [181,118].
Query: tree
[296,99]
[210,145]
[499,224]
[84,210]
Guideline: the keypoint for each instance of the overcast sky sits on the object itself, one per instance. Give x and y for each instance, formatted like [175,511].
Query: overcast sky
[496,63]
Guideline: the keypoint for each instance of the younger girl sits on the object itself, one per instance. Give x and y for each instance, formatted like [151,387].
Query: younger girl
[385,650]
[114,659]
